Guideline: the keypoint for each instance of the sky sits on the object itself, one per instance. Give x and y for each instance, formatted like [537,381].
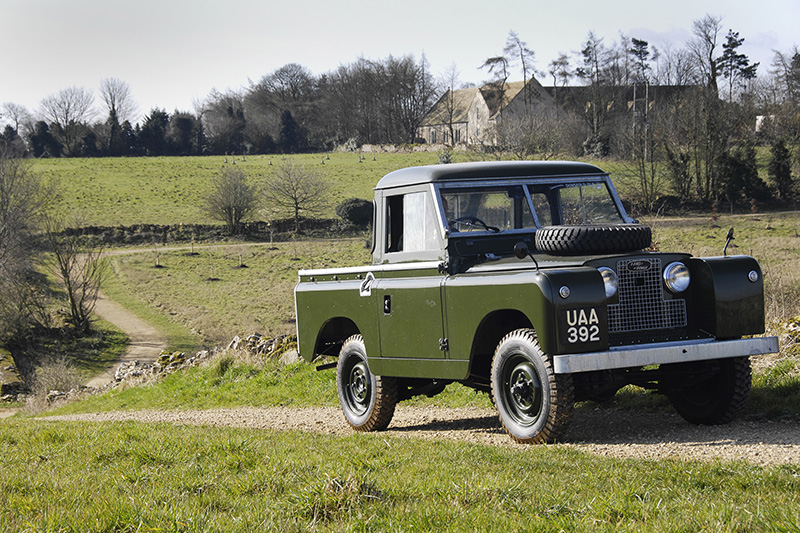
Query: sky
[173,53]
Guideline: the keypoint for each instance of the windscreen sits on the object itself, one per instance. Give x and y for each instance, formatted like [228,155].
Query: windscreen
[500,208]
[487,208]
[574,204]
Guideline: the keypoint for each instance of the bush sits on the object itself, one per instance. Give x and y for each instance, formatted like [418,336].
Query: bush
[357,211]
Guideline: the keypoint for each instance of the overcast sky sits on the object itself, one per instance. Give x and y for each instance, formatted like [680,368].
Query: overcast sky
[174,52]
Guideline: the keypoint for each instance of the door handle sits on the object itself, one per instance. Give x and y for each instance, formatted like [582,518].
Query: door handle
[365,289]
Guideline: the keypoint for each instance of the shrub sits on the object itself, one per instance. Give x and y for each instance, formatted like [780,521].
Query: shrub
[357,211]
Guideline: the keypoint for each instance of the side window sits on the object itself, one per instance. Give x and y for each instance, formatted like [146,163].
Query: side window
[394,224]
[411,223]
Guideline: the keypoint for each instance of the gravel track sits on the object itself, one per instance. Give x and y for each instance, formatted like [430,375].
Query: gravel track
[603,432]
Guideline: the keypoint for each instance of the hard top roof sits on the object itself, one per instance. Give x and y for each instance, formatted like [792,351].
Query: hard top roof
[487,170]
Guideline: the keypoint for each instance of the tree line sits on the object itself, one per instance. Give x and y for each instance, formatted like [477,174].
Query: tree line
[287,111]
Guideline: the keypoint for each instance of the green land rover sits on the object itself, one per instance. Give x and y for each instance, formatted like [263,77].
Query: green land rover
[528,280]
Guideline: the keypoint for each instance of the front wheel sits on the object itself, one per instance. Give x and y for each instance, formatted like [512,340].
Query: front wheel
[534,403]
[368,401]
[718,399]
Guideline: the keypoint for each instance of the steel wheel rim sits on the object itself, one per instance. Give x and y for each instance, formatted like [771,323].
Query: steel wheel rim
[358,388]
[523,391]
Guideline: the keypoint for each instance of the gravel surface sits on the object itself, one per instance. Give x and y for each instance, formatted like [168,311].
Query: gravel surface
[603,432]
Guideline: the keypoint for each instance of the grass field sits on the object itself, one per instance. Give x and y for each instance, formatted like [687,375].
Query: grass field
[170,190]
[224,291]
[139,477]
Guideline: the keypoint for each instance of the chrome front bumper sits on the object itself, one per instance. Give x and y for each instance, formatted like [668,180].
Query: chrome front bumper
[662,353]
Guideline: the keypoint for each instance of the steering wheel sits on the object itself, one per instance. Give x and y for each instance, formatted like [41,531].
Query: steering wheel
[473,222]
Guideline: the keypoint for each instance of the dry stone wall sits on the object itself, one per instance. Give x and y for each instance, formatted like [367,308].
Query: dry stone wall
[10,381]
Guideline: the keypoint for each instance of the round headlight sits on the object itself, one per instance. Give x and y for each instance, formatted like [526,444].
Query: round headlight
[676,276]
[609,280]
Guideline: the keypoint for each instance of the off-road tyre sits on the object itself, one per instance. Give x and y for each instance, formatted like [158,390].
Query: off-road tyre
[593,239]
[367,400]
[534,403]
[719,399]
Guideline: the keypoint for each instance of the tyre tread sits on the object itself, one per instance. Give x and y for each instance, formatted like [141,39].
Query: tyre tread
[563,396]
[382,412]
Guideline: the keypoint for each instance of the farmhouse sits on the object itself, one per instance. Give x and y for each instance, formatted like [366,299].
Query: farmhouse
[470,116]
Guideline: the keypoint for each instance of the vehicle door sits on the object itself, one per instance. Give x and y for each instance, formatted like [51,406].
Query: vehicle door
[408,289]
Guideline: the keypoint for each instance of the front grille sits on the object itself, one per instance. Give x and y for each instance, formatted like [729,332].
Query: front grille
[642,306]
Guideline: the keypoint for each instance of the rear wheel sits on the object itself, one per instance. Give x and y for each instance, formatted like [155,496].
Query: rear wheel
[368,401]
[718,399]
[534,403]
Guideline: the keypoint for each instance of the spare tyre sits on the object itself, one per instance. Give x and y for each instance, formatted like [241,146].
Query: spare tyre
[593,239]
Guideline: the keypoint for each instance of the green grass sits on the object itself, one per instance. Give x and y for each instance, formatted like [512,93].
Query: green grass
[179,337]
[91,354]
[131,476]
[228,382]
[208,298]
[170,190]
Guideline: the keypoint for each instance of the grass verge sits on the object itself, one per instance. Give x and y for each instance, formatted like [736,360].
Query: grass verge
[131,476]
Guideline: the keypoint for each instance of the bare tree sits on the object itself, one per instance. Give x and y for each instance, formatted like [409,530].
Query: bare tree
[224,122]
[296,189]
[23,200]
[80,268]
[593,56]
[449,81]
[559,69]
[497,66]
[541,135]
[116,94]
[518,49]
[676,67]
[17,114]
[232,199]
[786,68]
[68,109]
[704,47]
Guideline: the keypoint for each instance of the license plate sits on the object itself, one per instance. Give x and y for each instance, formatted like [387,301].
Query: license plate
[582,326]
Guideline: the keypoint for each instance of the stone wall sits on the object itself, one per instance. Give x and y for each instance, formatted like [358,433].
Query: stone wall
[10,381]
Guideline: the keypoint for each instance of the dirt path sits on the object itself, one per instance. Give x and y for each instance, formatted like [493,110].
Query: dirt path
[146,342]
[603,432]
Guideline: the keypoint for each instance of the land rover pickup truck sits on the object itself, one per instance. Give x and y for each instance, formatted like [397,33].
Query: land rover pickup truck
[528,280]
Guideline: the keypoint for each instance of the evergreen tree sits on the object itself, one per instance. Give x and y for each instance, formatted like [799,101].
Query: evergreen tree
[735,66]
[780,170]
[292,137]
[740,176]
[43,143]
[153,138]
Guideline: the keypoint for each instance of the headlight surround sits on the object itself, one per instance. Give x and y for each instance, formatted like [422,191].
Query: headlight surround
[609,280]
[676,277]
